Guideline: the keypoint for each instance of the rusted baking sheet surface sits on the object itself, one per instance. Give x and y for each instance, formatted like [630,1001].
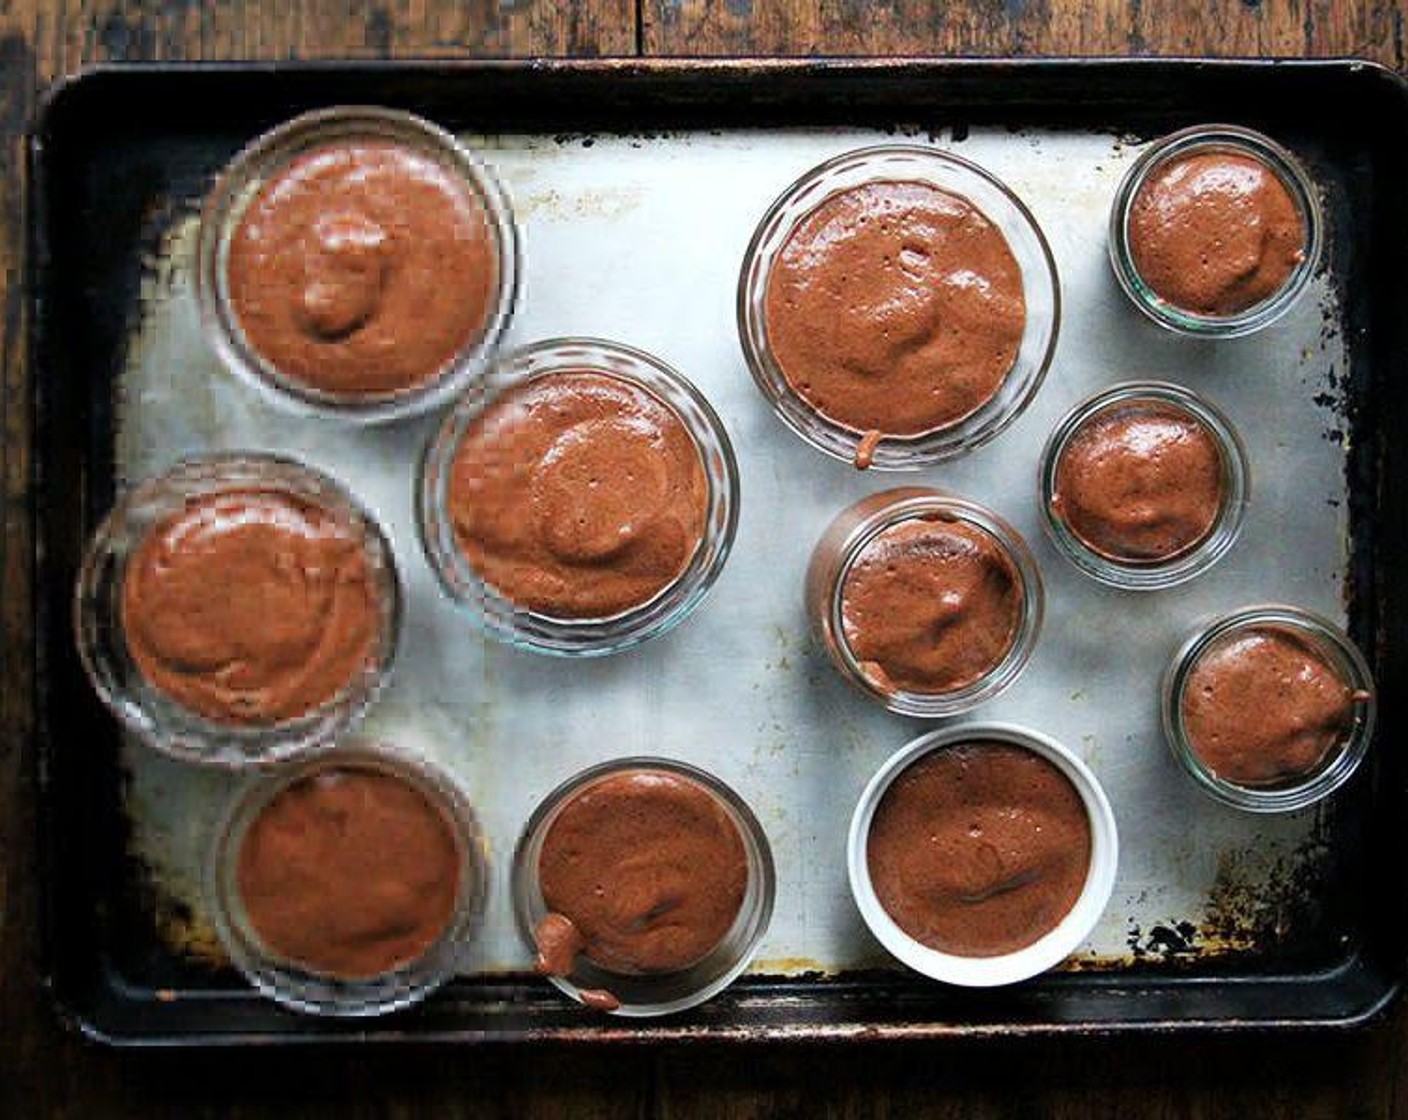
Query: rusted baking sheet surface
[637,189]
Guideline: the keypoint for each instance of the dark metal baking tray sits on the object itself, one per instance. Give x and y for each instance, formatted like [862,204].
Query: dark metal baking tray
[116,154]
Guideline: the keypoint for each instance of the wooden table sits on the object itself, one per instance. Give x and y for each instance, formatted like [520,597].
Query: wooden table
[47,1072]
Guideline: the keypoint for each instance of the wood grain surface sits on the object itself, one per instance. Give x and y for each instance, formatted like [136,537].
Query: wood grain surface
[47,1071]
[1253,28]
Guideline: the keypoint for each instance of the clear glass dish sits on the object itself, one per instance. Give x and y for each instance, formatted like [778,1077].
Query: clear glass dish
[266,158]
[954,175]
[305,989]
[1332,646]
[846,538]
[499,616]
[1195,141]
[147,711]
[1181,566]
[658,993]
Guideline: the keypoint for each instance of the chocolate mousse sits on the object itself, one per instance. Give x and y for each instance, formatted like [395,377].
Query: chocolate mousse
[1263,706]
[250,607]
[643,872]
[578,495]
[1140,482]
[895,308]
[349,873]
[1215,232]
[362,269]
[979,849]
[931,605]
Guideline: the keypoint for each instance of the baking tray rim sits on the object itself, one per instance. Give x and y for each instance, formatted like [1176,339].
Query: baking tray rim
[88,1020]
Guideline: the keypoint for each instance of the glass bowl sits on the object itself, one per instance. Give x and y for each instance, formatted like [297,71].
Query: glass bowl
[146,710]
[956,176]
[847,538]
[318,992]
[261,163]
[651,993]
[493,611]
[1330,645]
[1184,564]
[1199,140]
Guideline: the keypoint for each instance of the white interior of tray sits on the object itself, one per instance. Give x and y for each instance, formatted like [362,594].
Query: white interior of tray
[640,239]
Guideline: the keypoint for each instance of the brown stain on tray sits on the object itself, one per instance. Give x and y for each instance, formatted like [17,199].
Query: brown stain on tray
[787,966]
[1260,906]
[186,934]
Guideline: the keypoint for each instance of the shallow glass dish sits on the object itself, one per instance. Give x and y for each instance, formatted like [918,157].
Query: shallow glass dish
[263,160]
[150,713]
[493,611]
[308,990]
[953,175]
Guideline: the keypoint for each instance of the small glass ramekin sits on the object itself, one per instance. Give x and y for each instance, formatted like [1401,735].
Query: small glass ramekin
[1237,141]
[1150,575]
[496,614]
[318,993]
[1334,647]
[1044,953]
[847,537]
[948,172]
[644,995]
[143,708]
[267,156]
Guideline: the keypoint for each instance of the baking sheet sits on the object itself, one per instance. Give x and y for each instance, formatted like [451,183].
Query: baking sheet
[639,239]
